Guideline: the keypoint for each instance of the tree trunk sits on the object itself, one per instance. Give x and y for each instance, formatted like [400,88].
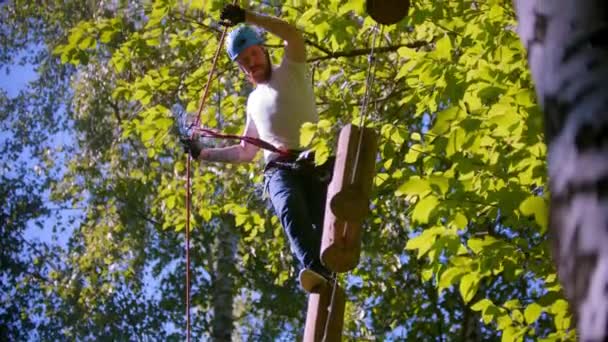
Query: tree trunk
[567,52]
[223,281]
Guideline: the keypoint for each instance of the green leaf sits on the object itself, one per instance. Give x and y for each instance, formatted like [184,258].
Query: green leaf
[171,202]
[439,183]
[324,125]
[450,276]
[532,313]
[481,305]
[307,133]
[559,307]
[424,241]
[517,316]
[240,219]
[163,123]
[444,119]
[459,221]
[423,209]
[413,153]
[352,5]
[443,48]
[478,245]
[427,274]
[408,53]
[508,335]
[455,141]
[106,36]
[468,286]
[414,186]
[536,206]
[562,322]
[512,304]
[321,153]
[86,43]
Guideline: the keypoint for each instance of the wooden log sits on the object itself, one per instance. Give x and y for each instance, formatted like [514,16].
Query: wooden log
[349,191]
[317,315]
[387,12]
[340,244]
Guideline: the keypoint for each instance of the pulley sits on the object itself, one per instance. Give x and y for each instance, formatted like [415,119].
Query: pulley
[387,12]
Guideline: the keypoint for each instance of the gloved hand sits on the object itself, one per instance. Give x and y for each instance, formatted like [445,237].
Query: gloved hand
[192,146]
[232,15]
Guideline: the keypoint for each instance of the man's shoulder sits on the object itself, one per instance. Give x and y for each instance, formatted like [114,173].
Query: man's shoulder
[253,97]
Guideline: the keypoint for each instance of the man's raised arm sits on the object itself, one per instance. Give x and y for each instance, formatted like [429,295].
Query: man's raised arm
[295,47]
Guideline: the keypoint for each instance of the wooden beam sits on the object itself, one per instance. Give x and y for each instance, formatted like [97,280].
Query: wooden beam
[318,312]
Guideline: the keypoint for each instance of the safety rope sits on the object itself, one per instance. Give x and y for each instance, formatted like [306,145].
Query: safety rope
[205,132]
[369,80]
[188,177]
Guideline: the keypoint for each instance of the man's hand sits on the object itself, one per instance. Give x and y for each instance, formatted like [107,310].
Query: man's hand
[232,15]
[192,146]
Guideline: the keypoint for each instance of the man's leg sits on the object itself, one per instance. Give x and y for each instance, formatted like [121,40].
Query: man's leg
[316,183]
[316,195]
[287,194]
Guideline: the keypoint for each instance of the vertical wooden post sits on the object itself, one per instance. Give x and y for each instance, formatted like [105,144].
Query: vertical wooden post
[340,244]
[348,196]
[318,312]
[350,188]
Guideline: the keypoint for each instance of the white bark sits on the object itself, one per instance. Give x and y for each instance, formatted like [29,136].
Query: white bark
[222,324]
[568,57]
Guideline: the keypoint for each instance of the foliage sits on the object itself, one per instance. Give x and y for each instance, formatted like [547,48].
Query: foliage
[457,231]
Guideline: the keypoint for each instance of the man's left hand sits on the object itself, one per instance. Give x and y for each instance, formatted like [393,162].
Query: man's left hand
[232,15]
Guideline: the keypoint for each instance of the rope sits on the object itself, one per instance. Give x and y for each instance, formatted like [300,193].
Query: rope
[368,83]
[204,132]
[188,177]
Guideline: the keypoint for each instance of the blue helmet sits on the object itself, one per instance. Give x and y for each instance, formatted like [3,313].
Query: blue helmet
[241,38]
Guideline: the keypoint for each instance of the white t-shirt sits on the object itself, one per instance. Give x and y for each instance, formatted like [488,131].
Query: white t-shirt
[280,107]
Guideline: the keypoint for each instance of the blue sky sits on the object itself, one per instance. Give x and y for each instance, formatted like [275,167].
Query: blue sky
[13,79]
[17,78]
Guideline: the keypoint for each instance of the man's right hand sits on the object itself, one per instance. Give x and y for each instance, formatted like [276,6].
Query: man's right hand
[192,146]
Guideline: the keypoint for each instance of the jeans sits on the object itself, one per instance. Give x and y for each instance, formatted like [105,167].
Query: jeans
[298,192]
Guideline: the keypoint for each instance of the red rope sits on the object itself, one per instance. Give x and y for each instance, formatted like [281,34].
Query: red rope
[251,140]
[188,187]
[188,252]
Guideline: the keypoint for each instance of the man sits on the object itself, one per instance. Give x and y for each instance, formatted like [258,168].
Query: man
[283,99]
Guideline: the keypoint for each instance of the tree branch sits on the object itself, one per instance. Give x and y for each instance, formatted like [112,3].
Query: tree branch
[362,52]
[311,43]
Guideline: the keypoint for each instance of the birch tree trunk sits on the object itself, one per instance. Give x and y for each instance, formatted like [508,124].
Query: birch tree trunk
[222,324]
[567,44]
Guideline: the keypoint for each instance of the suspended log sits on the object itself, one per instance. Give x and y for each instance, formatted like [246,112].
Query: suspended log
[387,12]
[341,243]
[311,281]
[318,312]
[349,191]
[348,197]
